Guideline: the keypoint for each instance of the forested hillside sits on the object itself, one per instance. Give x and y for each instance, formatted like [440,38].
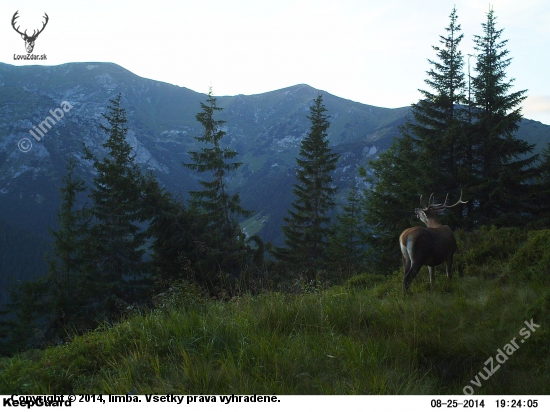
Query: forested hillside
[15,265]
[363,337]
[204,244]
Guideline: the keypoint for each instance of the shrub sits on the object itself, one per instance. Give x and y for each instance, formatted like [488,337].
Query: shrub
[486,249]
[532,260]
[182,295]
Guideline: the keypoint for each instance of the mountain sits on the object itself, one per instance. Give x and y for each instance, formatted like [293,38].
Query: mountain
[266,130]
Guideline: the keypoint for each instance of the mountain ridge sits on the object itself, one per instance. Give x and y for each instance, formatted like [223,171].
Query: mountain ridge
[265,129]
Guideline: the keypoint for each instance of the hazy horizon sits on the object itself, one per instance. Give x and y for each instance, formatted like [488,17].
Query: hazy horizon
[366,51]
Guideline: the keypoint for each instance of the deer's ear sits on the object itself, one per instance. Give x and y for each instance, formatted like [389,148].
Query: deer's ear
[23,36]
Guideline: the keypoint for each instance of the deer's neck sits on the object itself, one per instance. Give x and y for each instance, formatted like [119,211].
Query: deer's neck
[434,223]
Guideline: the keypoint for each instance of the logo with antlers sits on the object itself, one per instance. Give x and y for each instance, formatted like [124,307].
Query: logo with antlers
[29,40]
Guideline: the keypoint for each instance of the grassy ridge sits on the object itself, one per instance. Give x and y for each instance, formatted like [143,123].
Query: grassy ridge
[361,338]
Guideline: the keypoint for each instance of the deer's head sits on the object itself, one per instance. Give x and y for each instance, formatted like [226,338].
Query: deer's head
[430,214]
[29,40]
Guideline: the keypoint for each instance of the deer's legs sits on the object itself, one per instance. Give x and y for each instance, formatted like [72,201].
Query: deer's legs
[410,275]
[449,266]
[406,265]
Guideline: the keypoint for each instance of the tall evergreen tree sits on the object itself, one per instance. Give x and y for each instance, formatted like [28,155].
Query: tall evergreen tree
[502,164]
[65,281]
[396,180]
[115,239]
[307,229]
[439,125]
[221,248]
[54,303]
[428,157]
[438,113]
[221,207]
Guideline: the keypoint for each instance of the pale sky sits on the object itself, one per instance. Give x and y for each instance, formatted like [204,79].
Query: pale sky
[373,52]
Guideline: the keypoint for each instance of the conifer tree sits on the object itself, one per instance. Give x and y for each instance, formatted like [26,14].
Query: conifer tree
[221,207]
[502,165]
[58,298]
[115,239]
[347,240]
[65,281]
[176,231]
[221,248]
[307,230]
[439,126]
[447,148]
[396,180]
[427,158]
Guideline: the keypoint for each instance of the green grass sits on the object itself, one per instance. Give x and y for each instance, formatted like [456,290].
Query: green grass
[365,337]
[254,224]
[341,340]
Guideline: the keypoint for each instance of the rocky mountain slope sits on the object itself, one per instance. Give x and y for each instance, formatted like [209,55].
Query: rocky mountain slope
[266,130]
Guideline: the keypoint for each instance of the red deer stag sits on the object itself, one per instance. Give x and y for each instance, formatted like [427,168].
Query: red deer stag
[430,245]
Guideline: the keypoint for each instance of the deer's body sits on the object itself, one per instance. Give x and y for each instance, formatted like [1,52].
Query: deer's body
[430,246]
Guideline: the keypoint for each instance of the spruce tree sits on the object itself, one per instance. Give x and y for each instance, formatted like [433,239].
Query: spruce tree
[502,164]
[223,249]
[54,303]
[439,125]
[427,158]
[65,281]
[347,240]
[396,181]
[115,239]
[175,231]
[307,230]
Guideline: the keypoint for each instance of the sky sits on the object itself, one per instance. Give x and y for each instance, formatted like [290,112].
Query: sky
[372,52]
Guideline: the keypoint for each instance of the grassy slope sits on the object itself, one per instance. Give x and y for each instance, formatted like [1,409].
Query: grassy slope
[362,338]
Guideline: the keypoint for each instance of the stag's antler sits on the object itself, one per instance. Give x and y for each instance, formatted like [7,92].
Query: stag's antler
[15,16]
[444,205]
[430,204]
[43,25]
[34,33]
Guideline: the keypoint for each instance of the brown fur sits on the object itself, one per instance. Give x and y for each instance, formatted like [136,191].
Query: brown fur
[430,246]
